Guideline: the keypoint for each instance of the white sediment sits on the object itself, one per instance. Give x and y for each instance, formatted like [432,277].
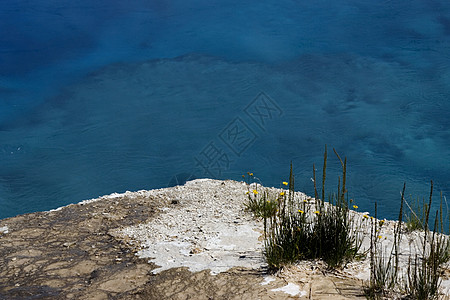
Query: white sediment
[206,229]
[291,289]
[4,229]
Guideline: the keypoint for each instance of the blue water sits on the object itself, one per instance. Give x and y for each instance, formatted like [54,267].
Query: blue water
[107,96]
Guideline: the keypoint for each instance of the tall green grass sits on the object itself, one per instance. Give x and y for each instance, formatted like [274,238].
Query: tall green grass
[302,229]
[297,229]
[424,268]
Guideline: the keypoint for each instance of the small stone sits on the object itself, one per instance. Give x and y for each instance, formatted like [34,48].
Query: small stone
[195,251]
[67,244]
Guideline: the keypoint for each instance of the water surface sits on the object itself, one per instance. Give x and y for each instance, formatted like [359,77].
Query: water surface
[111,96]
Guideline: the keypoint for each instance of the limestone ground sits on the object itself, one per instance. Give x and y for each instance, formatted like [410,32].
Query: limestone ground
[73,253]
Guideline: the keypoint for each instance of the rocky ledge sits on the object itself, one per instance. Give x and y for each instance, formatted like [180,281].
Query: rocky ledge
[187,242]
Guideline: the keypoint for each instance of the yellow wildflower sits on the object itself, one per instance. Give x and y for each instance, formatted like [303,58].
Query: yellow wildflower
[317,212]
[243,176]
[305,200]
[300,211]
[251,174]
[379,236]
[355,206]
[285,183]
[255,192]
[282,193]
[365,216]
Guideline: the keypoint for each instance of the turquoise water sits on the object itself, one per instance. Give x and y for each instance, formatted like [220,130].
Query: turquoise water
[112,96]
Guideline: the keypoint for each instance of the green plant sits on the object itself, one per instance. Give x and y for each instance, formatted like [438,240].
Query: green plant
[423,273]
[415,218]
[312,230]
[262,203]
[384,264]
[297,229]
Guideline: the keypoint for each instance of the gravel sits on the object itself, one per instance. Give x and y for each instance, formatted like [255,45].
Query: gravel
[204,227]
